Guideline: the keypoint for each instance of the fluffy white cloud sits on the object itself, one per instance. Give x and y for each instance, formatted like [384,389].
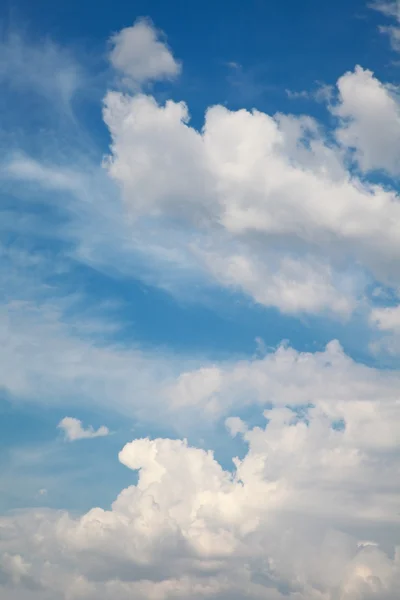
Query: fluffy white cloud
[274,209]
[73,430]
[387,318]
[364,398]
[286,523]
[139,53]
[370,114]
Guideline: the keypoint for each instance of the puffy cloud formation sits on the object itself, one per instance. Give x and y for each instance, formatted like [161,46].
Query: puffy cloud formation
[275,210]
[308,512]
[73,430]
[290,521]
[141,56]
[370,114]
[365,398]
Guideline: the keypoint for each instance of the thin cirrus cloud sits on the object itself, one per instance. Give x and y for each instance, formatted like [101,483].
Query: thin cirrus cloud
[278,210]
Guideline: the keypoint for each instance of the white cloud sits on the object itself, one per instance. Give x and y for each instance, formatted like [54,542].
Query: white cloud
[74,363]
[73,430]
[287,521]
[370,114]
[274,211]
[387,318]
[391,9]
[293,285]
[42,67]
[364,398]
[297,95]
[140,54]
[262,204]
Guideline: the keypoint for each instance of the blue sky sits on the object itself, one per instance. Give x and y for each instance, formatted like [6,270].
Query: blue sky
[199,224]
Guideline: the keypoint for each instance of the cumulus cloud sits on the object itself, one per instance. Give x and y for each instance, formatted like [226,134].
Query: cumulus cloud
[365,398]
[285,522]
[387,318]
[370,120]
[275,210]
[140,54]
[73,430]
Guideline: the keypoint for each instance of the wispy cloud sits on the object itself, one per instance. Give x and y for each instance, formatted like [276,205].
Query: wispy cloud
[40,67]
[390,9]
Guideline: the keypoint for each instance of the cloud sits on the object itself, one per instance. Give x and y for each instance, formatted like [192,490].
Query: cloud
[387,318]
[286,521]
[273,209]
[370,120]
[258,202]
[141,56]
[390,9]
[74,363]
[363,397]
[41,67]
[73,430]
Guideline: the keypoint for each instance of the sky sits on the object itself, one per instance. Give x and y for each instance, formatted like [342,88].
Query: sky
[200,300]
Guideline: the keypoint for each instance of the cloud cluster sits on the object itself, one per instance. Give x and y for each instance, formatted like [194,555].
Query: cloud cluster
[306,514]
